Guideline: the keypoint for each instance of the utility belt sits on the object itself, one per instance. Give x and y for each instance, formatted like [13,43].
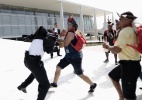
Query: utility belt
[31,57]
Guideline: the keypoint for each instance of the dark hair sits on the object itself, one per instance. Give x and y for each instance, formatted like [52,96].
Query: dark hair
[73,22]
[70,15]
[40,33]
[76,26]
[110,23]
[55,23]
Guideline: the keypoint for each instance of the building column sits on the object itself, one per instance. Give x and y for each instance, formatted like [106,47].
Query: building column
[62,25]
[114,26]
[105,23]
[112,18]
[81,25]
[94,27]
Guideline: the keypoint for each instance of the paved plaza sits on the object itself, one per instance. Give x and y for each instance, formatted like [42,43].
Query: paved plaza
[70,86]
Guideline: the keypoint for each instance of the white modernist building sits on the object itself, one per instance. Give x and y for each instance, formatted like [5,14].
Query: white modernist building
[23,17]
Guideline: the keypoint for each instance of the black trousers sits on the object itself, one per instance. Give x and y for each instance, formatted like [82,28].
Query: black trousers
[39,73]
[128,71]
[58,53]
[28,81]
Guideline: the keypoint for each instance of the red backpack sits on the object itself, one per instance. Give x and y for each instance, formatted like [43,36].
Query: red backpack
[138,31]
[81,42]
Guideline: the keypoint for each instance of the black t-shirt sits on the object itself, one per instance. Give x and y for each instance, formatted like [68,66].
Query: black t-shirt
[58,32]
[110,35]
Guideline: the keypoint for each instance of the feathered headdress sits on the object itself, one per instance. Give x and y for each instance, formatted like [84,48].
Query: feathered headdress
[109,22]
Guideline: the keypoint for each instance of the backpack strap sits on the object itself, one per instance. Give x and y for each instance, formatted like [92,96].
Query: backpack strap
[75,39]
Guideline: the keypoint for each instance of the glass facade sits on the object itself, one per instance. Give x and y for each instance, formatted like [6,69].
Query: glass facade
[18,21]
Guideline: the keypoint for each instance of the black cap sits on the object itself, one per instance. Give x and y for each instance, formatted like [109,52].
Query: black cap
[128,15]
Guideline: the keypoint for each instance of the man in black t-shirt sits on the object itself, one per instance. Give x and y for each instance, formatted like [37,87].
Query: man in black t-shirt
[109,37]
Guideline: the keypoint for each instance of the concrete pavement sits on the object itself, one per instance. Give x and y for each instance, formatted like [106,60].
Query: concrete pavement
[70,86]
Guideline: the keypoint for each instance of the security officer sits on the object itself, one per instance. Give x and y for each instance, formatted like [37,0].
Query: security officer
[33,62]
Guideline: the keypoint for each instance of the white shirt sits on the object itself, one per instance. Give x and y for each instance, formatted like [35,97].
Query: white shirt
[61,37]
[36,48]
[56,30]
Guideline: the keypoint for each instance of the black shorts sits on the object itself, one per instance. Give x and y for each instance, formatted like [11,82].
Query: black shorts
[110,44]
[115,74]
[76,63]
[128,72]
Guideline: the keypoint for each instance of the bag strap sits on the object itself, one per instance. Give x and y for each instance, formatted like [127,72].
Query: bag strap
[75,36]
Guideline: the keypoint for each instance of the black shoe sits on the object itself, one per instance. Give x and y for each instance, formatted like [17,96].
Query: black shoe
[53,84]
[116,63]
[51,56]
[22,89]
[92,88]
[140,88]
[59,55]
[106,61]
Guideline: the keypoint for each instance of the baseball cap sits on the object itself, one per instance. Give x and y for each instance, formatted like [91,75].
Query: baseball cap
[128,15]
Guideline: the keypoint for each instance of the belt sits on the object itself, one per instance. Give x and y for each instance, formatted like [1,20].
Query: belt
[35,57]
